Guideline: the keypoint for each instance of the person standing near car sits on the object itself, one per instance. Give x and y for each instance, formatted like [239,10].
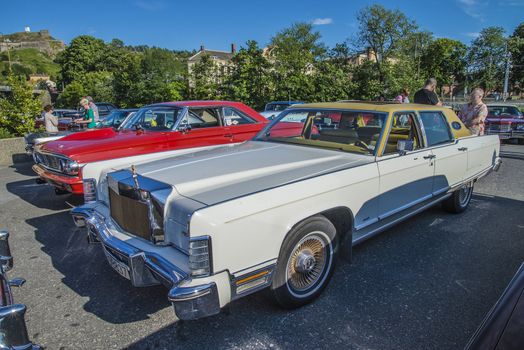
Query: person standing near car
[403,97]
[427,95]
[94,107]
[89,115]
[474,113]
[50,121]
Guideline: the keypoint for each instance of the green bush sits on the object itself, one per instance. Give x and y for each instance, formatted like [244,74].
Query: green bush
[5,134]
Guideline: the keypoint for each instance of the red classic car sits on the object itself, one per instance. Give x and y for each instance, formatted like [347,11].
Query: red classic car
[506,121]
[155,128]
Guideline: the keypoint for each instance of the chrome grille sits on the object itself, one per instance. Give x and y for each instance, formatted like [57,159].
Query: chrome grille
[48,160]
[499,127]
[136,210]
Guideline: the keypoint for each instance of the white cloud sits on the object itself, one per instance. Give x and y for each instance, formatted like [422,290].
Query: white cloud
[472,35]
[151,5]
[322,21]
[473,8]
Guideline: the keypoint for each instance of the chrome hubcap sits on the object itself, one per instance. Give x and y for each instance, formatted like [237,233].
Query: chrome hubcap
[308,263]
[465,194]
[305,262]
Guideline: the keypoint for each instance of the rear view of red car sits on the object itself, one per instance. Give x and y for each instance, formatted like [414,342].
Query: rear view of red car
[156,128]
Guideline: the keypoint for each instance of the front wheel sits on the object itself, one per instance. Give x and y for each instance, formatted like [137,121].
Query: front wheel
[305,263]
[459,200]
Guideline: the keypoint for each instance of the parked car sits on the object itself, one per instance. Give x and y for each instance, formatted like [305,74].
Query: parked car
[219,224]
[502,327]
[273,109]
[63,115]
[112,120]
[13,329]
[156,128]
[505,120]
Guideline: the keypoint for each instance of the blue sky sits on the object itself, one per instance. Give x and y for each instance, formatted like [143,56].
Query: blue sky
[217,24]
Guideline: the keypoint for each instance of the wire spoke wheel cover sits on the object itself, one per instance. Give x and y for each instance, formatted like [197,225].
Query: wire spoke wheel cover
[308,264]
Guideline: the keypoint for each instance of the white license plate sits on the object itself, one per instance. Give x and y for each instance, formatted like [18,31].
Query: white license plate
[121,268]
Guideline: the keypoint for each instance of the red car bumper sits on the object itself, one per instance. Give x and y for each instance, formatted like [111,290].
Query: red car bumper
[71,184]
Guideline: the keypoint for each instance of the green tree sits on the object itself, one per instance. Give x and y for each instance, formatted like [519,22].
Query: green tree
[383,31]
[485,56]
[70,97]
[84,54]
[19,109]
[294,52]
[445,60]
[127,84]
[203,79]
[250,79]
[332,76]
[516,45]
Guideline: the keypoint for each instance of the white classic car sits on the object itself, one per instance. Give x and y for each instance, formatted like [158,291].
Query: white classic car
[217,224]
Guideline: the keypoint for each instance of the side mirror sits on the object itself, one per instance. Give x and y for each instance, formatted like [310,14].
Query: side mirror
[6,260]
[184,128]
[404,146]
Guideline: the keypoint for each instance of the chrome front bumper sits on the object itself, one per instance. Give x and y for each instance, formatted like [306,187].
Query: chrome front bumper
[148,268]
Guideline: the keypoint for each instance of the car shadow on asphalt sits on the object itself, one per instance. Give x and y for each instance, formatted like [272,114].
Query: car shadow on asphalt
[42,195]
[426,283]
[24,168]
[86,272]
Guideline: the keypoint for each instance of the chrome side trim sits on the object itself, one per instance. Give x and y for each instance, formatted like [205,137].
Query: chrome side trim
[359,237]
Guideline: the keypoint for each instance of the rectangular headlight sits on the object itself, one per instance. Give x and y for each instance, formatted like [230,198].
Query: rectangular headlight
[89,190]
[200,256]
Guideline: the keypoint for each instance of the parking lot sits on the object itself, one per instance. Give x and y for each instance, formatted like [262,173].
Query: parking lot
[424,284]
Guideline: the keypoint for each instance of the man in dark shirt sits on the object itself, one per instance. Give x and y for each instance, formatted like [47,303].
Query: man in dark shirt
[427,95]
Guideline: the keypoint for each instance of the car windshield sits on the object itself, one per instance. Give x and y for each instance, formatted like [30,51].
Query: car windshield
[110,119]
[344,130]
[154,118]
[504,111]
[276,107]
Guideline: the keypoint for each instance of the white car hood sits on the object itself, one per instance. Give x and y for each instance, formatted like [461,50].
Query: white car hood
[232,171]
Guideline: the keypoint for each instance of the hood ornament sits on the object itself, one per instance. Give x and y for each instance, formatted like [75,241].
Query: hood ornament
[135,177]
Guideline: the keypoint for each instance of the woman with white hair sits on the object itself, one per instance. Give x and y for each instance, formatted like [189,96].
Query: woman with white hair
[474,113]
[89,116]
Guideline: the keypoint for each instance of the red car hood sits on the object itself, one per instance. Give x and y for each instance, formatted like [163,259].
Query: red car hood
[101,144]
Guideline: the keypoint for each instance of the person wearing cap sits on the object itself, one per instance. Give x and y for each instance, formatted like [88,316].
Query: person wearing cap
[89,115]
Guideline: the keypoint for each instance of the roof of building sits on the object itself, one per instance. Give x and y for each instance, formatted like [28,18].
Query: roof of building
[222,55]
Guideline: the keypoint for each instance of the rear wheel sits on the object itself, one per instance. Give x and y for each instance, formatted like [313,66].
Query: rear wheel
[306,262]
[459,200]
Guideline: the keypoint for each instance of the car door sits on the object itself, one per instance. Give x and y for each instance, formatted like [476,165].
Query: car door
[239,126]
[406,178]
[450,154]
[199,126]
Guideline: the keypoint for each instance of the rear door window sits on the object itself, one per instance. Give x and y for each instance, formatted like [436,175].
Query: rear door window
[234,117]
[436,128]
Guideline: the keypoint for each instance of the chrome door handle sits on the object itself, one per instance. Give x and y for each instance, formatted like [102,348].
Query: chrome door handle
[430,156]
[463,149]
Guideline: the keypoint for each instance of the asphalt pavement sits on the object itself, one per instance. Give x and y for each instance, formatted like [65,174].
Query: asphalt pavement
[424,284]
